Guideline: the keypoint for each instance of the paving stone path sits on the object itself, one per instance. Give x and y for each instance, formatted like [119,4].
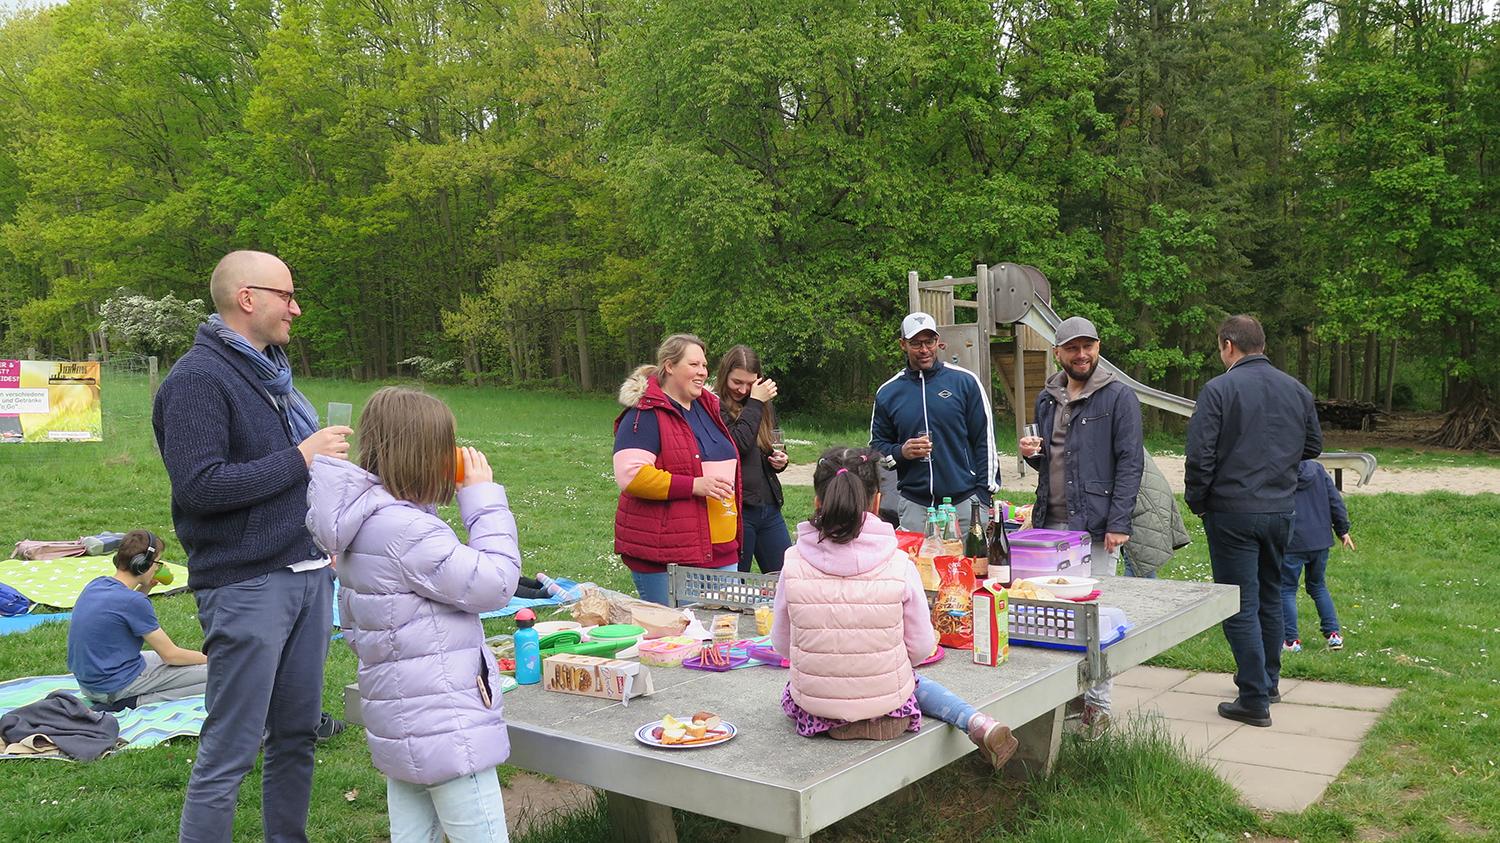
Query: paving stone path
[1315,730]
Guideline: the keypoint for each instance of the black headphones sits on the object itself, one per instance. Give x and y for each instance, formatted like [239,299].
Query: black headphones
[142,562]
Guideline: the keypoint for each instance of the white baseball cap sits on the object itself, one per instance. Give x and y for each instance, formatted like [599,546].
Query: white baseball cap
[916,323]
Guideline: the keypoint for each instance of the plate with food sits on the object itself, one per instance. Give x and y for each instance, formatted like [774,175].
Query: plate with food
[702,729]
[1068,588]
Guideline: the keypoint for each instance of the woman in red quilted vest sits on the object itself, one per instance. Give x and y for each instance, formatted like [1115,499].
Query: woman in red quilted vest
[678,471]
[851,619]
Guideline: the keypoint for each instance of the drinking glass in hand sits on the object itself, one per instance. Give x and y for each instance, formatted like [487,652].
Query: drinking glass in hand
[926,434]
[340,415]
[778,440]
[1031,430]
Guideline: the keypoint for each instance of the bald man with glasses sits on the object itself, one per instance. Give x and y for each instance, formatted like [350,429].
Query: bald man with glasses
[237,439]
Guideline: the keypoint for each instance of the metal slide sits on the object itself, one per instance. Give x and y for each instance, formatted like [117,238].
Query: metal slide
[1041,318]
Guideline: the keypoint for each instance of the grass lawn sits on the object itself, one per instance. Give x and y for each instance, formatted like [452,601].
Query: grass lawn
[1413,599]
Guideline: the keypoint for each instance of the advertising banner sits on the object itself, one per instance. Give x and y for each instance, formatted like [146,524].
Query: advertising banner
[50,401]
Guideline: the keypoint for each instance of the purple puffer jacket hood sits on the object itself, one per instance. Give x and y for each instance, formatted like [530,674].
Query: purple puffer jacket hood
[410,594]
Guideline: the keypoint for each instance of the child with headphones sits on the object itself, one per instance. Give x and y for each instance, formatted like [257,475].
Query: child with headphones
[110,622]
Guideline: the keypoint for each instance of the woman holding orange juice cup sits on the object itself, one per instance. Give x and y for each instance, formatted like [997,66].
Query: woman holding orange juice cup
[678,471]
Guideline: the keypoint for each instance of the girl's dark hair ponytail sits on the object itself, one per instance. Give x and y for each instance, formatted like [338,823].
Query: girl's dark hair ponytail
[845,481]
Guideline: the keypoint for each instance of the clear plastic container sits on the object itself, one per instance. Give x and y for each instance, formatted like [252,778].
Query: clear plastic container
[669,651]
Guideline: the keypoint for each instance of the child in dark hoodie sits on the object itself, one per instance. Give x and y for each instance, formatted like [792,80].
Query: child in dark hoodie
[1319,515]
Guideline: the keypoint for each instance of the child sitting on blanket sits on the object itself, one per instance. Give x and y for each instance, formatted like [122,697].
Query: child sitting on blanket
[851,617]
[111,620]
[410,596]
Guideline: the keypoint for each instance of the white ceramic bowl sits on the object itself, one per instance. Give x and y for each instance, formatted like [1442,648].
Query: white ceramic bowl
[549,627]
[1068,587]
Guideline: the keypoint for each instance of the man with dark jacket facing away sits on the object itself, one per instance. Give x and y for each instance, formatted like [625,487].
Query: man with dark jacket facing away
[1089,457]
[1252,426]
[237,439]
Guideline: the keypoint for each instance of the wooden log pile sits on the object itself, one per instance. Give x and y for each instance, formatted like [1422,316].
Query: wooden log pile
[1348,415]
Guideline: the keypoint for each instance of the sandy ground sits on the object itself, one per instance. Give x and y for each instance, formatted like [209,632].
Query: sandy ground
[1400,481]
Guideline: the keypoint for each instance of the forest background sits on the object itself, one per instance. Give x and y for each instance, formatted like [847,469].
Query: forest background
[534,191]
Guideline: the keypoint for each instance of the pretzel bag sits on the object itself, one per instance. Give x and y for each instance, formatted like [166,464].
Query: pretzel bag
[953,608]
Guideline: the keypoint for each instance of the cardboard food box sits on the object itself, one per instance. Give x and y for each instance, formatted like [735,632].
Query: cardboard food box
[592,676]
[991,626]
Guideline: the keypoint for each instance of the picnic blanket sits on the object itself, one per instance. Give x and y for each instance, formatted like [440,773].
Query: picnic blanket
[141,727]
[58,582]
[516,604]
[21,623]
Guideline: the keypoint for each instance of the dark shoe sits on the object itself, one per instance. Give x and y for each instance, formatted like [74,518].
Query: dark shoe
[329,726]
[1236,711]
[1275,696]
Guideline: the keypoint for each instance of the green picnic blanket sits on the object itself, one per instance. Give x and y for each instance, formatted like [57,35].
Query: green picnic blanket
[58,582]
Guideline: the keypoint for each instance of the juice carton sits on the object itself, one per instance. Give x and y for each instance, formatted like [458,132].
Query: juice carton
[991,625]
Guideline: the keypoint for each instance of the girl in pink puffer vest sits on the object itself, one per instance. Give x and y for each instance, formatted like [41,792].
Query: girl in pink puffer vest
[851,618]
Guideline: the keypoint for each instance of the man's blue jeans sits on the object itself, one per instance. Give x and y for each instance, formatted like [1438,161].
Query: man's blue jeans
[1246,549]
[1315,562]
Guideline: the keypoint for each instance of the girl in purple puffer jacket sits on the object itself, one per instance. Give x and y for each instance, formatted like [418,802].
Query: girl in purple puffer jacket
[409,599]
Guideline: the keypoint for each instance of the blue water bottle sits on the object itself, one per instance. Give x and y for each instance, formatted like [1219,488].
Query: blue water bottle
[528,651]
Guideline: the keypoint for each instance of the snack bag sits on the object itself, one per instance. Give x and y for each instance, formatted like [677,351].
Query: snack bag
[953,608]
[908,541]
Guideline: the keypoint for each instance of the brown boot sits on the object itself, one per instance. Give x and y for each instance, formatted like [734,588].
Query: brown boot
[875,729]
[994,739]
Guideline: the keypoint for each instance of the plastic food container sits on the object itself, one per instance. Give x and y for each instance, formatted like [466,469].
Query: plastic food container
[545,628]
[1041,553]
[624,634]
[668,651]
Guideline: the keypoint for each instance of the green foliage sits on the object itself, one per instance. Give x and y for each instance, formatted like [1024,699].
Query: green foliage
[540,190]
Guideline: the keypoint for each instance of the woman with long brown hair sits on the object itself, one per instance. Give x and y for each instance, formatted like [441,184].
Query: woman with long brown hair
[745,396]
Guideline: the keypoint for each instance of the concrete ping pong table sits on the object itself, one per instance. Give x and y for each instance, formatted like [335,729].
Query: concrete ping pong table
[779,786]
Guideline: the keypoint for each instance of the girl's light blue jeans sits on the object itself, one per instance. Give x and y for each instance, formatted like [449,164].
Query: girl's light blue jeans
[942,704]
[653,587]
[464,810]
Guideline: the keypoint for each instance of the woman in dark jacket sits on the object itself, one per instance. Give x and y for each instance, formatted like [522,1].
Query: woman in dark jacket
[745,396]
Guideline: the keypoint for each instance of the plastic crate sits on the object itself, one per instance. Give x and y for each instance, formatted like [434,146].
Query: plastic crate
[710,589]
[1061,625]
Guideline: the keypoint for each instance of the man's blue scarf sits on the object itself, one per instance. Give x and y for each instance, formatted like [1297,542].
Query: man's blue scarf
[275,373]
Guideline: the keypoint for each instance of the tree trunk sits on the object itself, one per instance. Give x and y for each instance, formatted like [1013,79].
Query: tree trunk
[1371,367]
[585,371]
[1335,370]
[1304,352]
[1390,375]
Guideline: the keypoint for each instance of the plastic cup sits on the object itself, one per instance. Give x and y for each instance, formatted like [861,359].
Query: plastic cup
[164,575]
[458,466]
[339,414]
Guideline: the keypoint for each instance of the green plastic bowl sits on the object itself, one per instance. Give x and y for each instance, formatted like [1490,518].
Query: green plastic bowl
[616,631]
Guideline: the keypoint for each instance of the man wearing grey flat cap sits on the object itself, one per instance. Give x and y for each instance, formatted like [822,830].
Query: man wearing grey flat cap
[1089,457]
